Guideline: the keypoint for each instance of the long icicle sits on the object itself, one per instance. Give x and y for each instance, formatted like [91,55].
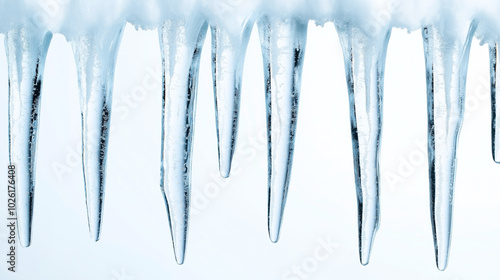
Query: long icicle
[495,95]
[283,43]
[228,56]
[364,57]
[26,47]
[95,56]
[181,42]
[446,59]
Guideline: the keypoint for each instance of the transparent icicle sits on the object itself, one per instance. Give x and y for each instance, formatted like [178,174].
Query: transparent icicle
[495,95]
[26,47]
[446,59]
[181,42]
[283,42]
[364,57]
[228,56]
[95,56]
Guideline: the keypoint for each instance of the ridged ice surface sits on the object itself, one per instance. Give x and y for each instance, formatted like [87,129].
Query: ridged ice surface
[364,56]
[283,43]
[446,62]
[26,51]
[228,54]
[181,41]
[95,56]
[93,27]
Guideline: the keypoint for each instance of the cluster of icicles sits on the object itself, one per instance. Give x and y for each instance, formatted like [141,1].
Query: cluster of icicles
[283,39]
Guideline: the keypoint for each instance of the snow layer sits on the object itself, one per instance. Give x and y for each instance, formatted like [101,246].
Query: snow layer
[71,17]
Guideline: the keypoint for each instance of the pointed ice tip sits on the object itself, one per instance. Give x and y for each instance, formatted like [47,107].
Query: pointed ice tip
[95,235]
[274,235]
[274,227]
[224,174]
[442,267]
[365,249]
[225,169]
[496,158]
[94,227]
[364,257]
[179,259]
[178,219]
[25,240]
[179,251]
[24,230]
[94,216]
[442,264]
[442,259]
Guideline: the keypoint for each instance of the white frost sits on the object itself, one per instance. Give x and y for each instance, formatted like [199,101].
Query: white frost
[71,17]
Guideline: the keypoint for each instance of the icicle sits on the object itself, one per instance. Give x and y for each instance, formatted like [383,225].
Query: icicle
[26,47]
[95,56]
[446,58]
[364,56]
[228,56]
[181,42]
[283,43]
[495,110]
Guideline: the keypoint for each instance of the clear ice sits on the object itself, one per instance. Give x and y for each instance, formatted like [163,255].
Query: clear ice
[95,57]
[283,42]
[181,42]
[182,27]
[364,58]
[228,55]
[26,46]
[446,60]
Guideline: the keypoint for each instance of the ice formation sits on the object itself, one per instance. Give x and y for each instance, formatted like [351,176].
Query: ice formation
[364,63]
[94,28]
[446,62]
[26,51]
[181,41]
[283,43]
